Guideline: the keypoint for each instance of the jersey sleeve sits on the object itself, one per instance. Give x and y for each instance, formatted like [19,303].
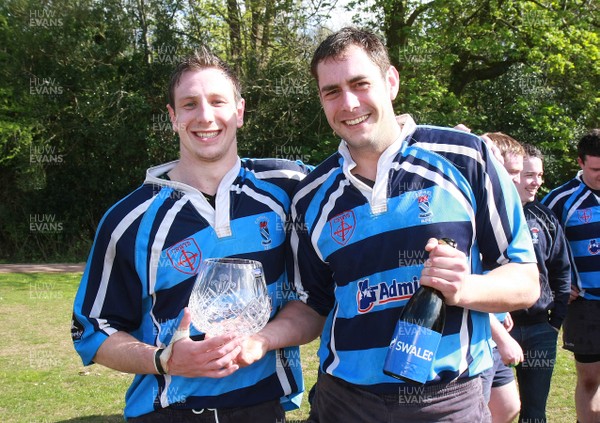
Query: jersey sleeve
[502,232]
[312,277]
[109,298]
[559,275]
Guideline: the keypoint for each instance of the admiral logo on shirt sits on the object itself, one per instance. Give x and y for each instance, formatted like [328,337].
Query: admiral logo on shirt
[368,297]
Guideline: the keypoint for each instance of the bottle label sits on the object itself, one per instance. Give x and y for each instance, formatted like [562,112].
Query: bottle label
[411,352]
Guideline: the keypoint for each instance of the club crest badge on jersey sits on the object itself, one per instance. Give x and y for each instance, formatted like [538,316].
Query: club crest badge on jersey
[584,215]
[535,235]
[342,227]
[425,212]
[594,247]
[185,256]
[265,235]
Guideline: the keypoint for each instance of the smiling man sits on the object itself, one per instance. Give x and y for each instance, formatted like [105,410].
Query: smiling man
[130,310]
[577,206]
[536,328]
[365,235]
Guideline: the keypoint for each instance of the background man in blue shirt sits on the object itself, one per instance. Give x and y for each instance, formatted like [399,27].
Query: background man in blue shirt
[577,206]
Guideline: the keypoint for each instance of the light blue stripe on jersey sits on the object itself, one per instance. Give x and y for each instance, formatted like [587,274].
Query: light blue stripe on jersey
[448,182]
[389,221]
[244,240]
[449,353]
[324,187]
[143,235]
[581,248]
[577,206]
[273,191]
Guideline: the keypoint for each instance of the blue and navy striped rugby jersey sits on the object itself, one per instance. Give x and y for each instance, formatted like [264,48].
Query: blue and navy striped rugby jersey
[142,267]
[359,251]
[578,209]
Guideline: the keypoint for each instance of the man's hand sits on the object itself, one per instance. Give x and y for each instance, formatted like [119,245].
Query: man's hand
[446,270]
[508,322]
[253,349]
[213,357]
[574,294]
[510,351]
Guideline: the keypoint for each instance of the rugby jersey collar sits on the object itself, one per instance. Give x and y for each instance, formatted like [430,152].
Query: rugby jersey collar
[218,217]
[377,196]
[579,177]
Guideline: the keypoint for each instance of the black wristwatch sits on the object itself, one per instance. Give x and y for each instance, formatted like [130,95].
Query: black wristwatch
[157,364]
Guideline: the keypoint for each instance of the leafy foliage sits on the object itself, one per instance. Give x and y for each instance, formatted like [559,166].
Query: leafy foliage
[82,90]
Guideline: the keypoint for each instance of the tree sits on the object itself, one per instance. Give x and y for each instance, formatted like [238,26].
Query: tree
[527,68]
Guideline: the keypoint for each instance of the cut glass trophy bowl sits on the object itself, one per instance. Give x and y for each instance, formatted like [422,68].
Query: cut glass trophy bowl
[230,296]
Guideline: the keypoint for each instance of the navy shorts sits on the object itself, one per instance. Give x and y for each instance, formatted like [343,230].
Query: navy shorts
[267,412]
[497,375]
[581,328]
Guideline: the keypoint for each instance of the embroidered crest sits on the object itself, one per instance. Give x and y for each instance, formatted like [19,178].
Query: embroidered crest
[584,215]
[424,207]
[263,226]
[185,256]
[593,247]
[535,235]
[342,227]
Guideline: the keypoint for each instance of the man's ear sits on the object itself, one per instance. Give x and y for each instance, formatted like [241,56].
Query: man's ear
[241,106]
[393,80]
[173,117]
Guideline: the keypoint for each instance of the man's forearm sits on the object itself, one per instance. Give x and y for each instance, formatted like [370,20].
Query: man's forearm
[295,324]
[513,286]
[124,353]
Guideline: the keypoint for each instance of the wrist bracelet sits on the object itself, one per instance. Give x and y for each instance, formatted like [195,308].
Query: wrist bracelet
[157,363]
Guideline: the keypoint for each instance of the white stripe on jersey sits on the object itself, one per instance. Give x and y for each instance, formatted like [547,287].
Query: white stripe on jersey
[302,294]
[280,173]
[264,199]
[575,206]
[452,148]
[109,257]
[336,358]
[314,185]
[501,240]
[561,195]
[465,343]
[155,256]
[318,228]
[443,183]
[159,242]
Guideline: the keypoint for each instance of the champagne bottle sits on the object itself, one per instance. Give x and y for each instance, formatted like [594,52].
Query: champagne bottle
[417,335]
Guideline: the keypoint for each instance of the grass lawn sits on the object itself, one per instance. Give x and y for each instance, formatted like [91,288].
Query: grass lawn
[43,379]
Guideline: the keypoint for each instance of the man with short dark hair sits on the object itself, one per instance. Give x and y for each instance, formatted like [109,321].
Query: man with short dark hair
[577,206]
[130,311]
[367,224]
[536,328]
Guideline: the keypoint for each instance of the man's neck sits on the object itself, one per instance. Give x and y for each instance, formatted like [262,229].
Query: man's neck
[205,176]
